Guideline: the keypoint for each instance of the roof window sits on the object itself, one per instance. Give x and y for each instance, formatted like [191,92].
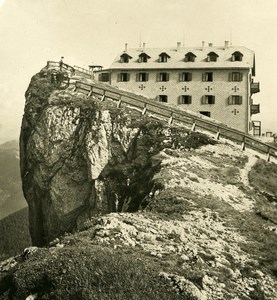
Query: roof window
[190,57]
[212,56]
[163,57]
[237,56]
[124,58]
[143,57]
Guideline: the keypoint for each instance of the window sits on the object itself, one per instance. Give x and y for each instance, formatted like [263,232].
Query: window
[184,99]
[185,76]
[143,57]
[235,76]
[142,76]
[162,98]
[190,57]
[123,77]
[163,76]
[208,76]
[124,58]
[235,100]
[206,113]
[208,99]
[163,57]
[237,56]
[212,56]
[104,77]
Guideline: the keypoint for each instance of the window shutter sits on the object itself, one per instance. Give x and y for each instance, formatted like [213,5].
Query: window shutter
[213,99]
[128,77]
[189,97]
[158,77]
[203,99]
[181,77]
[100,77]
[119,77]
[146,76]
[230,100]
[167,76]
[240,99]
[137,76]
[240,76]
[190,77]
[231,76]
[204,77]
[180,100]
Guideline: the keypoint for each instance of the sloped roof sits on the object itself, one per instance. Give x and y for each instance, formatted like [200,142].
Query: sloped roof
[176,60]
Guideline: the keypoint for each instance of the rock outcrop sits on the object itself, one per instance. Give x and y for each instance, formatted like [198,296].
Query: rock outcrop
[81,157]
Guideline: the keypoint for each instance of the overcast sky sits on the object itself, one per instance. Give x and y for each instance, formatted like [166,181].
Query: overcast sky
[94,31]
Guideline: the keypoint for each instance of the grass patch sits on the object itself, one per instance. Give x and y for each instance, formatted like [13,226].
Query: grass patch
[90,273]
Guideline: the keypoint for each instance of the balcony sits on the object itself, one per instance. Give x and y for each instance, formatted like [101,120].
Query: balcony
[255,109]
[255,87]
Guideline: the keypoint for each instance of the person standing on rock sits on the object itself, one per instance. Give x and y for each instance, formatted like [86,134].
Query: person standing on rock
[61,63]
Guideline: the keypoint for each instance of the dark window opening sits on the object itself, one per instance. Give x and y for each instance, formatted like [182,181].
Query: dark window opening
[212,56]
[163,57]
[235,100]
[123,77]
[208,99]
[104,77]
[143,57]
[190,57]
[185,76]
[206,113]
[163,76]
[184,99]
[142,77]
[237,56]
[124,58]
[163,98]
[208,76]
[235,76]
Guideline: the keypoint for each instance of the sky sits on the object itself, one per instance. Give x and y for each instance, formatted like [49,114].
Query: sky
[93,32]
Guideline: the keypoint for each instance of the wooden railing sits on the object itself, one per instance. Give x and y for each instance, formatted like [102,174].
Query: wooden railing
[194,122]
[54,64]
[83,70]
[171,114]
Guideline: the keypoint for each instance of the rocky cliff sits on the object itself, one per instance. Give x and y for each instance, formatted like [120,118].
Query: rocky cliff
[158,212]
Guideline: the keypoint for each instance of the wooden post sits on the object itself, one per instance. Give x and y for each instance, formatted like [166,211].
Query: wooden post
[144,110]
[119,102]
[268,154]
[217,134]
[90,92]
[76,87]
[170,120]
[103,97]
[243,144]
[193,126]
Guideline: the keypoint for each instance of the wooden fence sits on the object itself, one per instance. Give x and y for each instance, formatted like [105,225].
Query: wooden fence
[171,114]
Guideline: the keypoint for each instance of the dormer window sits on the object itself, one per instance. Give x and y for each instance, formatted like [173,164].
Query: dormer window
[190,57]
[124,58]
[212,56]
[237,56]
[143,57]
[163,57]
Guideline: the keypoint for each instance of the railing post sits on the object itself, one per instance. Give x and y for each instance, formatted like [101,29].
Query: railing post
[170,120]
[144,110]
[193,126]
[90,92]
[76,86]
[103,97]
[243,144]
[119,102]
[268,154]
[217,134]
[47,66]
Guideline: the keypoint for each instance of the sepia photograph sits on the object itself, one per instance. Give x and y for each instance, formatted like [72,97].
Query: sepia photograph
[138,150]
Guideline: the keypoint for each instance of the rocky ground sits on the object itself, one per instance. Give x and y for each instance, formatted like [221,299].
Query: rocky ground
[211,234]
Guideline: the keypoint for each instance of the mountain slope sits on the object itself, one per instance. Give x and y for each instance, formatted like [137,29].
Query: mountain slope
[11,196]
[204,233]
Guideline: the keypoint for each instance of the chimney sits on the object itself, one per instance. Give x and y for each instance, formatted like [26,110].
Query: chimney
[210,44]
[178,46]
[126,47]
[226,44]
[203,44]
[143,47]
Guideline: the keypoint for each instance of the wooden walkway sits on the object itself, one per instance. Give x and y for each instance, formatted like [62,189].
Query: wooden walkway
[162,111]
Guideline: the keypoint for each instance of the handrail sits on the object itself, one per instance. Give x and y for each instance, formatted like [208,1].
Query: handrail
[83,70]
[173,114]
[146,104]
[55,64]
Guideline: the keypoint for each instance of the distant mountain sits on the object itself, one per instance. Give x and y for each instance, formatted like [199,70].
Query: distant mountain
[11,196]
[14,234]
